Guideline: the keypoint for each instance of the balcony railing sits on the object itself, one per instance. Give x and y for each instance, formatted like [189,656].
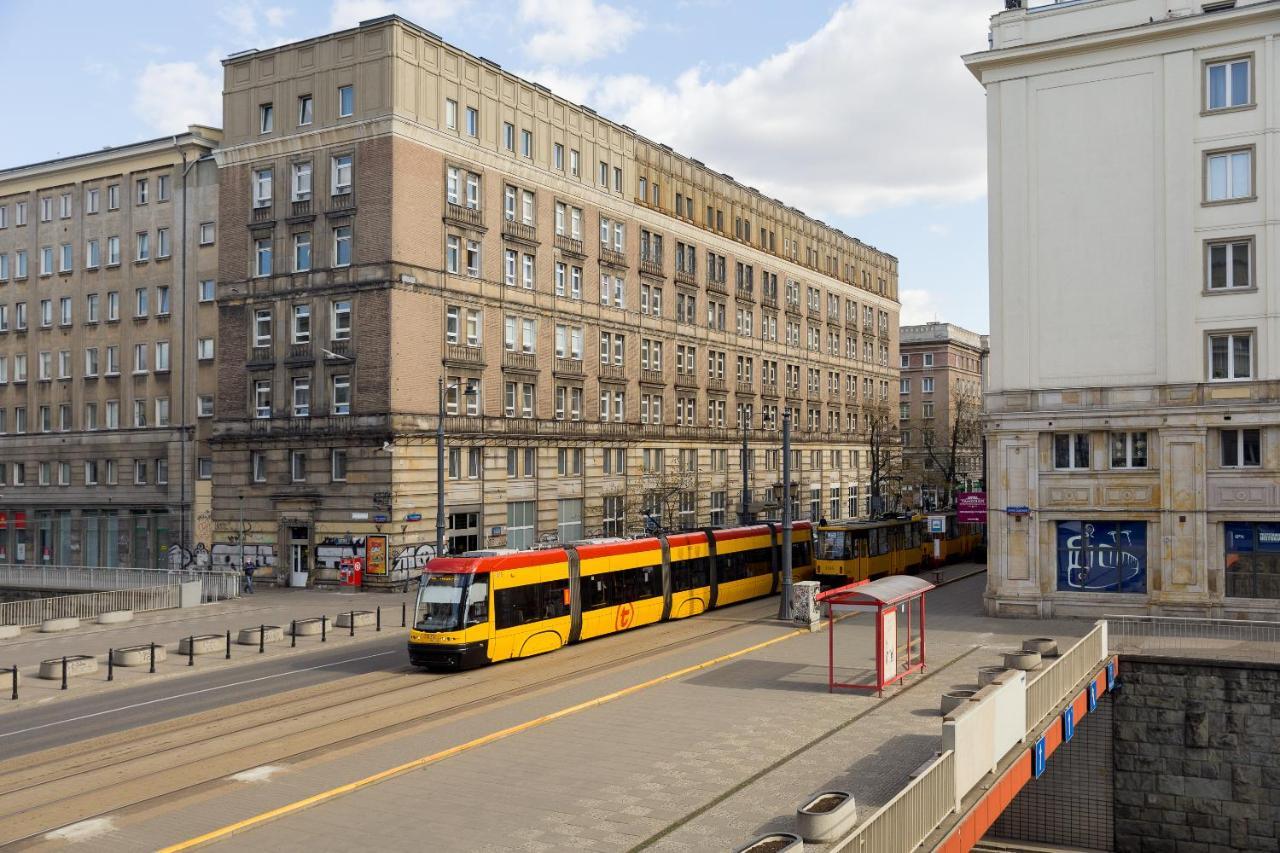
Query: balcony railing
[717,285]
[769,301]
[745,291]
[299,353]
[520,361]
[815,313]
[686,277]
[746,388]
[341,201]
[793,392]
[463,354]
[262,214]
[610,256]
[465,426]
[569,245]
[568,366]
[261,355]
[466,215]
[686,380]
[613,371]
[302,207]
[769,389]
[717,385]
[519,231]
[651,266]
[339,351]
[652,377]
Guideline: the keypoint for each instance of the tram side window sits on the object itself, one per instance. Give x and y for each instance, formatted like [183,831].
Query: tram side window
[801,554]
[597,591]
[879,542]
[760,561]
[610,589]
[951,527]
[731,567]
[690,574]
[521,605]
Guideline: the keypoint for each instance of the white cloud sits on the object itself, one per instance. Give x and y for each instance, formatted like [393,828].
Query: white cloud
[569,32]
[425,13]
[918,306]
[940,229]
[170,95]
[874,110]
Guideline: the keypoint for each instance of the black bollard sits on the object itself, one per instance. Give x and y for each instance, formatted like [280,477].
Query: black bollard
[15,681]
[403,623]
[191,650]
[153,657]
[262,638]
[352,617]
[379,616]
[228,644]
[324,625]
[111,665]
[293,630]
[64,672]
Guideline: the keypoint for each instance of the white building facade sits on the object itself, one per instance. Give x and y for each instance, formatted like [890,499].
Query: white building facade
[1133,400]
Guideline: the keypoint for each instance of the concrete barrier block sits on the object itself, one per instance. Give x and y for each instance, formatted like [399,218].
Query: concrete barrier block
[53,626]
[270,634]
[307,627]
[8,632]
[136,655]
[76,665]
[115,617]
[204,644]
[362,618]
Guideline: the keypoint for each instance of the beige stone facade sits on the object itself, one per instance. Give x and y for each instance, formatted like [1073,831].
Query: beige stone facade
[107,353]
[622,311]
[940,397]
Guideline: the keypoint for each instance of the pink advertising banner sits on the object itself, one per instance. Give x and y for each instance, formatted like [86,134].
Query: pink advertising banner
[971,507]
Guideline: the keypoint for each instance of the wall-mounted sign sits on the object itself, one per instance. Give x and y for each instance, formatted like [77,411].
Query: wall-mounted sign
[375,555]
[971,507]
[413,516]
[1017,510]
[937,524]
[381,518]
[359,516]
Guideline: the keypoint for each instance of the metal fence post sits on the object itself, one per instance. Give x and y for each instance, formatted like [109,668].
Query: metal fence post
[352,617]
[153,657]
[262,638]
[293,632]
[191,650]
[111,665]
[228,644]
[64,672]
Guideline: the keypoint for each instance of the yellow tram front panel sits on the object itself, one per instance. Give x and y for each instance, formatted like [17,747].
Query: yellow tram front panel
[621,588]
[744,564]
[531,608]
[690,574]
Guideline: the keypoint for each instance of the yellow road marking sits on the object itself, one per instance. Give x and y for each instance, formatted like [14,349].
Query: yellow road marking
[332,793]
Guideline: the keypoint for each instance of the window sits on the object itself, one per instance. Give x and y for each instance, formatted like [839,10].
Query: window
[1229,264]
[301,332]
[340,320]
[1229,175]
[508,136]
[262,188]
[162,356]
[452,253]
[1230,356]
[113,202]
[904,386]
[1241,448]
[64,257]
[341,394]
[90,205]
[262,327]
[46,260]
[143,245]
[206,290]
[64,311]
[113,252]
[342,246]
[473,122]
[262,398]
[1227,84]
[340,171]
[142,190]
[258,466]
[526,143]
[617,178]
[926,385]
[521,524]
[338,465]
[1128,450]
[204,468]
[1102,556]
[204,349]
[557,156]
[300,183]
[573,162]
[162,188]
[139,358]
[1071,450]
[451,113]
[604,174]
[204,406]
[346,101]
[298,466]
[162,411]
[473,263]
[139,413]
[111,414]
[306,110]
[266,118]
[162,301]
[113,361]
[92,258]
[301,396]
[1252,559]
[262,257]
[90,361]
[302,251]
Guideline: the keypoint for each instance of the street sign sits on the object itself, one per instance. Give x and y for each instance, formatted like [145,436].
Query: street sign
[381,518]
[1038,757]
[1018,510]
[971,507]
[1093,695]
[1068,723]
[413,516]
[937,524]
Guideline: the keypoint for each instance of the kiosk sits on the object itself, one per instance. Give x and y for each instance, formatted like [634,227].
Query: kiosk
[897,605]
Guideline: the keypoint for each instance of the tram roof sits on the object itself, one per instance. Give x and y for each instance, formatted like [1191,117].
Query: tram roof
[863,524]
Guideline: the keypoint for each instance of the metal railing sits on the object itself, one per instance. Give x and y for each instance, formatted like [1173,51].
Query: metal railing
[215,585]
[1238,639]
[902,823]
[88,605]
[1056,680]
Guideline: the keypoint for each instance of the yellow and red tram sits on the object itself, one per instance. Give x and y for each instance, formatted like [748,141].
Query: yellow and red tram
[847,551]
[473,610]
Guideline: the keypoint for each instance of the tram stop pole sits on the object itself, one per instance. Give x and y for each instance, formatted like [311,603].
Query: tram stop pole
[784,604]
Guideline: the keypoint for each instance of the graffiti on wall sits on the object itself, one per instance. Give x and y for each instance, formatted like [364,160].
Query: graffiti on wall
[226,555]
[332,550]
[413,558]
[1102,556]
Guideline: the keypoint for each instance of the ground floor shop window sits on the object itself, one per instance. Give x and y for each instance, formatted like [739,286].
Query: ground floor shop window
[521,524]
[1252,559]
[1102,556]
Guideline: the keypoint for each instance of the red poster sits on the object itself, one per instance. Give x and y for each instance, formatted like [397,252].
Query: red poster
[971,507]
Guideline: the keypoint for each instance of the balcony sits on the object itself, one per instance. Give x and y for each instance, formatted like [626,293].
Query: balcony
[300,208]
[793,392]
[793,307]
[612,257]
[341,202]
[261,357]
[769,301]
[300,354]
[717,385]
[717,285]
[745,291]
[458,354]
[814,395]
[525,362]
[851,397]
[651,266]
[868,328]
[686,277]
[652,377]
[339,351]
[814,313]
[471,216]
[519,231]
[686,380]
[613,373]
[769,389]
[568,367]
[851,323]
[746,389]
[570,246]
[262,214]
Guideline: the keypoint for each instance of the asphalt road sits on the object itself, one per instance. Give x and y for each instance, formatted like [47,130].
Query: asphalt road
[34,729]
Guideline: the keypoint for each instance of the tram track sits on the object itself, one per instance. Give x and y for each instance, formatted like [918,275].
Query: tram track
[44,791]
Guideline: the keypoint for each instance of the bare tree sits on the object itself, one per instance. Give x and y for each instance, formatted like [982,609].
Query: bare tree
[959,444]
[881,427]
[656,501]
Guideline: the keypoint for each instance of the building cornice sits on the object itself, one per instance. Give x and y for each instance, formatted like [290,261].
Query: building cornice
[206,138]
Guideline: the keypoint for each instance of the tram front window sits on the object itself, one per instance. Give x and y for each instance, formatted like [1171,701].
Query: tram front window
[450,602]
[834,545]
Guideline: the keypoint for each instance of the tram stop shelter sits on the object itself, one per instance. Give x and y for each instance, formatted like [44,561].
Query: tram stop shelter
[897,603]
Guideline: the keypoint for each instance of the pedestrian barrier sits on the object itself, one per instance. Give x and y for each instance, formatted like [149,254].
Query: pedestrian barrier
[89,605]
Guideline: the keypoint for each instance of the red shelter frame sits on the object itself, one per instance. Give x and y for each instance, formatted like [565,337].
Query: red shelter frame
[884,598]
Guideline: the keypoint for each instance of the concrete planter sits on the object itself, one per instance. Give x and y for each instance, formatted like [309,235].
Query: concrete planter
[1021,660]
[53,626]
[1046,647]
[324,576]
[988,674]
[363,618]
[204,644]
[76,665]
[826,816]
[115,617]
[306,627]
[269,634]
[136,655]
[953,699]
[8,632]
[774,842]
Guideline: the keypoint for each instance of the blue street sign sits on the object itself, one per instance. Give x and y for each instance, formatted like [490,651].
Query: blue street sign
[1093,695]
[413,516]
[1111,675]
[1018,510]
[1068,724]
[1037,757]
[381,518]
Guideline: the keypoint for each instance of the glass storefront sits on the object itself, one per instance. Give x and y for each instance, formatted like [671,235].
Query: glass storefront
[1252,559]
[90,537]
[1102,556]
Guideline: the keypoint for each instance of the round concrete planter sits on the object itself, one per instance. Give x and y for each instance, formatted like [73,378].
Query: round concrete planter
[204,644]
[988,674]
[1046,647]
[53,626]
[8,632]
[307,627]
[115,617]
[826,816]
[953,699]
[1021,660]
[270,634]
[136,655]
[363,618]
[76,665]
[774,842]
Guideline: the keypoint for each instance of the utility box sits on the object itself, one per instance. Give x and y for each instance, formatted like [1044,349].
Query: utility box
[189,593]
[804,602]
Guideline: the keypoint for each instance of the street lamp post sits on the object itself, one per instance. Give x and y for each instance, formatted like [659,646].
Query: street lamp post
[784,604]
[745,514]
[469,390]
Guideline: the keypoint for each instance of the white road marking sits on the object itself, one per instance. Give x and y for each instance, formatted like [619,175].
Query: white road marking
[257,774]
[82,831]
[192,693]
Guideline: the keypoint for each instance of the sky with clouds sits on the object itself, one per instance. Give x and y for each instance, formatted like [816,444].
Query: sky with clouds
[859,112]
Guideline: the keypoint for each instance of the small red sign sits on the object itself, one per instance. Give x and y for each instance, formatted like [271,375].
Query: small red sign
[971,507]
[626,613]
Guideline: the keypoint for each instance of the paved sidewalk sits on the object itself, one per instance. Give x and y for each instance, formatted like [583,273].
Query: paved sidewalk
[270,606]
[701,761]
